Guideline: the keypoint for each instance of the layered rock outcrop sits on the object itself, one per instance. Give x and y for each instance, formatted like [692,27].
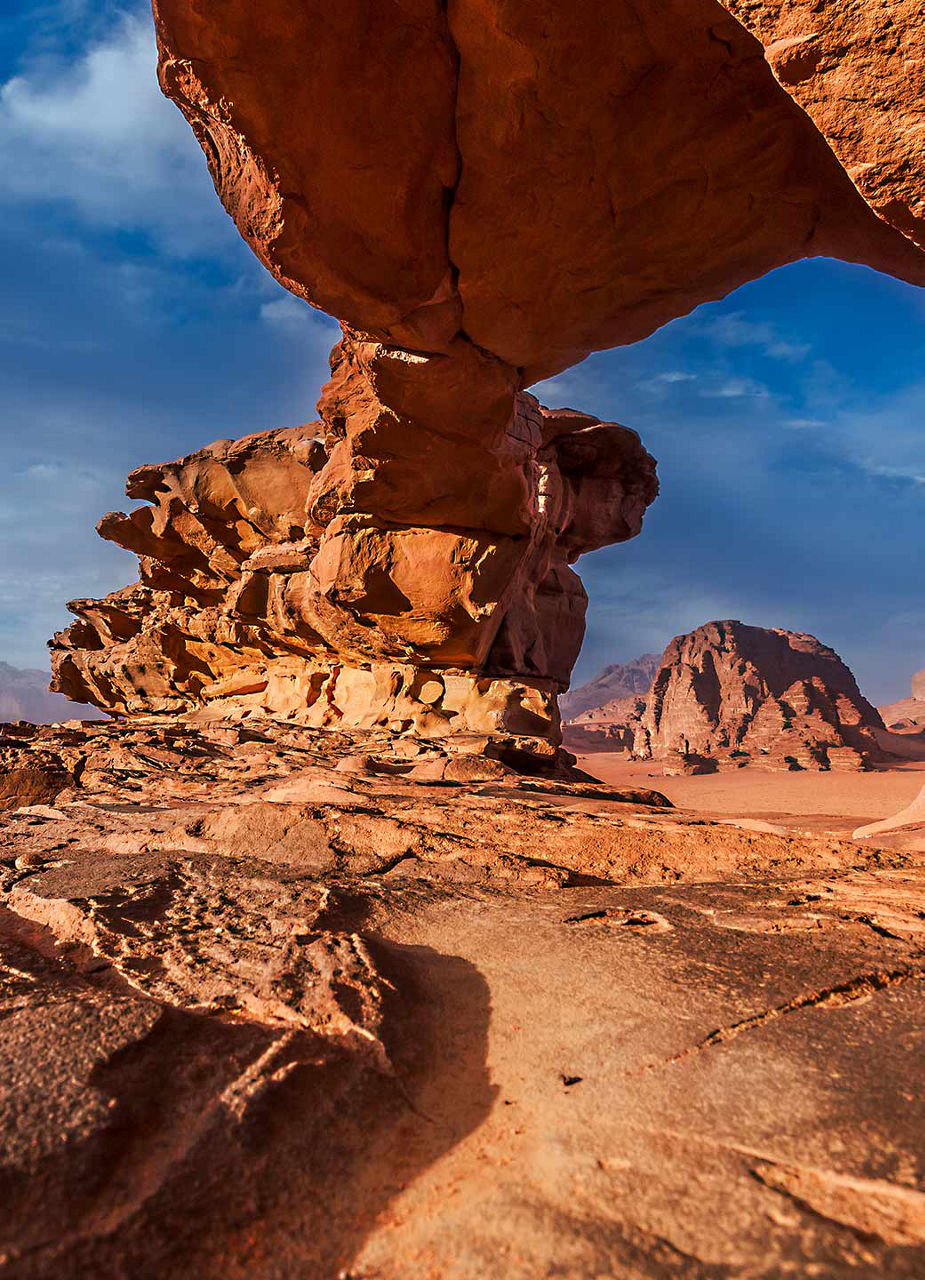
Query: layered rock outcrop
[729,694]
[404,562]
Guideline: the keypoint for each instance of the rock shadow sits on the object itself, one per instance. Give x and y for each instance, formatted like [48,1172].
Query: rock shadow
[236,1150]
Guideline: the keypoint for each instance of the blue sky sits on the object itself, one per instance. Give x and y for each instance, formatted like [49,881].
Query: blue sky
[135,325]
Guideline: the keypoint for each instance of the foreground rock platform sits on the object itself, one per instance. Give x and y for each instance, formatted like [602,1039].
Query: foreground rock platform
[277,1001]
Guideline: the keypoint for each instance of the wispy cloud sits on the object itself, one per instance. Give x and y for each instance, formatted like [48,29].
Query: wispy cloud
[737,388]
[735,329]
[659,383]
[289,315]
[96,135]
[885,440]
[285,313]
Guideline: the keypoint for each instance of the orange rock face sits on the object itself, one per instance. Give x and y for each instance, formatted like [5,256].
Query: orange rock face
[482,193]
[369,569]
[858,71]
[551,178]
[729,694]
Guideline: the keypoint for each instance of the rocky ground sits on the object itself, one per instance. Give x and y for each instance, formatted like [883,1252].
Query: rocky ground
[283,1002]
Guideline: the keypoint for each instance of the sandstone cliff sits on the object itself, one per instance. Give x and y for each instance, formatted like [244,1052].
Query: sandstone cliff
[732,694]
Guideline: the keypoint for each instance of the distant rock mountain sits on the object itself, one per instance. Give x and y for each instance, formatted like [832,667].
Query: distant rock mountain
[24,696]
[908,712]
[729,694]
[619,680]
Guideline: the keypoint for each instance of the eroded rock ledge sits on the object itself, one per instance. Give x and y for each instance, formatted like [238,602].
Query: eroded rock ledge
[404,562]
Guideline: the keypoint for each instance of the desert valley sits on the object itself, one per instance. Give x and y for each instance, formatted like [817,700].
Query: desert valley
[764,727]
[341,934]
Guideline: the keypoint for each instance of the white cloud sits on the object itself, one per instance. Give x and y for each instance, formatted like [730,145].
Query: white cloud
[884,439]
[660,382]
[98,136]
[734,388]
[295,321]
[736,330]
[286,313]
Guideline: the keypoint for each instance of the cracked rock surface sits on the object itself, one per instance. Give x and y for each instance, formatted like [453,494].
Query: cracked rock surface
[277,1001]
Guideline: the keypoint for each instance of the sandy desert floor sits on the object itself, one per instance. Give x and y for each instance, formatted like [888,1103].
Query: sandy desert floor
[799,801]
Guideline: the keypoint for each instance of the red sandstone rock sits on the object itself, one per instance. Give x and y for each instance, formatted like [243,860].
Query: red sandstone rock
[858,72]
[550,179]
[405,561]
[737,694]
[264,1015]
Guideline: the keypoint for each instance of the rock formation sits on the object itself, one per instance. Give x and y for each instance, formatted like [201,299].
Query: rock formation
[369,569]
[618,680]
[548,179]
[285,992]
[729,694]
[908,713]
[482,194]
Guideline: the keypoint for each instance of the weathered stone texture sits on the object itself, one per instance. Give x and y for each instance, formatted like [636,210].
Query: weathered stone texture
[858,70]
[403,561]
[277,1002]
[549,179]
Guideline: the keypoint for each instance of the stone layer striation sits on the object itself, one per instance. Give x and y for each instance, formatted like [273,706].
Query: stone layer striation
[729,694]
[370,568]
